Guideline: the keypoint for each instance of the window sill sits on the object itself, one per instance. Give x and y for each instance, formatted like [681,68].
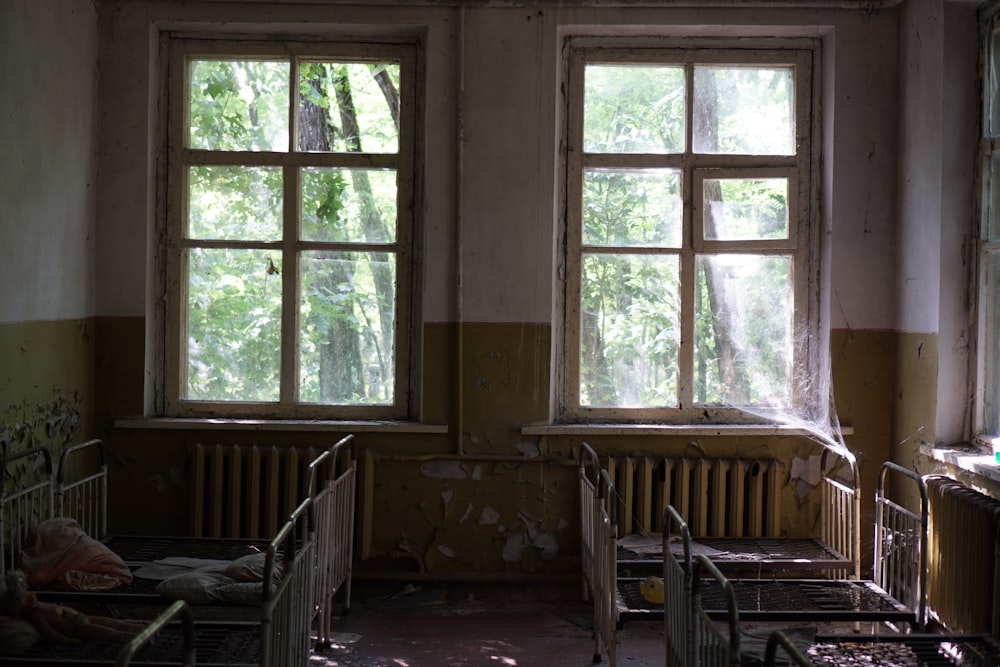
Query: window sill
[969,459]
[672,429]
[312,425]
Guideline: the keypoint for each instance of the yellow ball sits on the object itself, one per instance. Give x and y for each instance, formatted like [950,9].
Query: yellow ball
[652,589]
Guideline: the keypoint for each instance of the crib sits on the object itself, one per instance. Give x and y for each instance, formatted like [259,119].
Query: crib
[916,649]
[598,532]
[315,545]
[332,482]
[705,609]
[609,570]
[277,636]
[172,638]
[836,553]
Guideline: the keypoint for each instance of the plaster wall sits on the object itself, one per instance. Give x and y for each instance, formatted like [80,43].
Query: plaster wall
[47,177]
[489,241]
[48,73]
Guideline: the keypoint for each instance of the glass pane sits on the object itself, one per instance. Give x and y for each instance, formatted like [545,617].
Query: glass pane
[743,330]
[349,107]
[234,203]
[629,331]
[239,105]
[991,344]
[991,199]
[348,309]
[632,208]
[233,325]
[993,99]
[744,110]
[738,209]
[633,109]
[349,205]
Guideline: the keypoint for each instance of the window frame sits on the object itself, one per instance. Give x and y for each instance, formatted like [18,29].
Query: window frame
[179,49]
[804,218]
[987,364]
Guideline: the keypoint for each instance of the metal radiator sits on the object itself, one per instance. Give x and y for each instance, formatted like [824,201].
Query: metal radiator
[961,584]
[247,491]
[724,497]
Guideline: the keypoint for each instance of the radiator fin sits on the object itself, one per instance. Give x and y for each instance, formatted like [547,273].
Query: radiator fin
[962,556]
[247,491]
[718,497]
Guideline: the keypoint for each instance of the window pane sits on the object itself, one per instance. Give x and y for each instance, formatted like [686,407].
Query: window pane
[233,325]
[349,205]
[993,99]
[629,331]
[743,209]
[238,105]
[743,330]
[632,208]
[234,203]
[991,331]
[347,343]
[633,109]
[349,107]
[743,110]
[990,216]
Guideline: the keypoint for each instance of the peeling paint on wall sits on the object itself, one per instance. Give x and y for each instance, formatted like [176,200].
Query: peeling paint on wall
[489,517]
[50,424]
[513,548]
[443,470]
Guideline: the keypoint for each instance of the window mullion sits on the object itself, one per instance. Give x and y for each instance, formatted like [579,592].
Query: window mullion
[290,287]
[685,352]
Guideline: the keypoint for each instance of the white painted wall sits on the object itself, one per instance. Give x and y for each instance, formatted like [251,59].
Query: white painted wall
[490,207]
[48,93]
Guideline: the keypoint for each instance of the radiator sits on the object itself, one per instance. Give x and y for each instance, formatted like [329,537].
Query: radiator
[717,497]
[247,491]
[961,586]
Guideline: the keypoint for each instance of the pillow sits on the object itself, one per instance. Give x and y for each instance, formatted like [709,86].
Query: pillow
[251,568]
[241,592]
[58,552]
[196,587]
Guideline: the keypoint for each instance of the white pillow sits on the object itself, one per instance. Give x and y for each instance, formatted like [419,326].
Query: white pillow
[197,587]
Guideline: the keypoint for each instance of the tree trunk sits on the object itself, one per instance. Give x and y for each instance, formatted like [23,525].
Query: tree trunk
[341,376]
[731,375]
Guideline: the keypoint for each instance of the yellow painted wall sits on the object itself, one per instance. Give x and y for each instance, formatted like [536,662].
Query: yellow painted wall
[47,387]
[493,502]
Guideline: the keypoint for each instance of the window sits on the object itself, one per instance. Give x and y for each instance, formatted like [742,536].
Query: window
[691,293]
[988,375]
[290,206]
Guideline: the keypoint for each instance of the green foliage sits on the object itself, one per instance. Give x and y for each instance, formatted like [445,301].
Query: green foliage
[633,235]
[234,308]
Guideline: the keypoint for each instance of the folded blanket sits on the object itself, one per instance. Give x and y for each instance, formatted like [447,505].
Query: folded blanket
[59,553]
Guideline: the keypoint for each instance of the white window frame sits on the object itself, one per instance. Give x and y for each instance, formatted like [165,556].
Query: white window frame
[178,50]
[804,233]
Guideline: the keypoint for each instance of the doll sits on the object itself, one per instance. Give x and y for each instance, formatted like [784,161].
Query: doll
[57,623]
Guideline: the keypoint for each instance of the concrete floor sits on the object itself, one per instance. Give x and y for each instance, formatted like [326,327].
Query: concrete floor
[448,626]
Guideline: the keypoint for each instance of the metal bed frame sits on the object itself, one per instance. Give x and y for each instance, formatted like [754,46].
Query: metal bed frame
[702,597]
[172,638]
[316,562]
[721,647]
[598,534]
[334,507]
[835,554]
[332,484]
